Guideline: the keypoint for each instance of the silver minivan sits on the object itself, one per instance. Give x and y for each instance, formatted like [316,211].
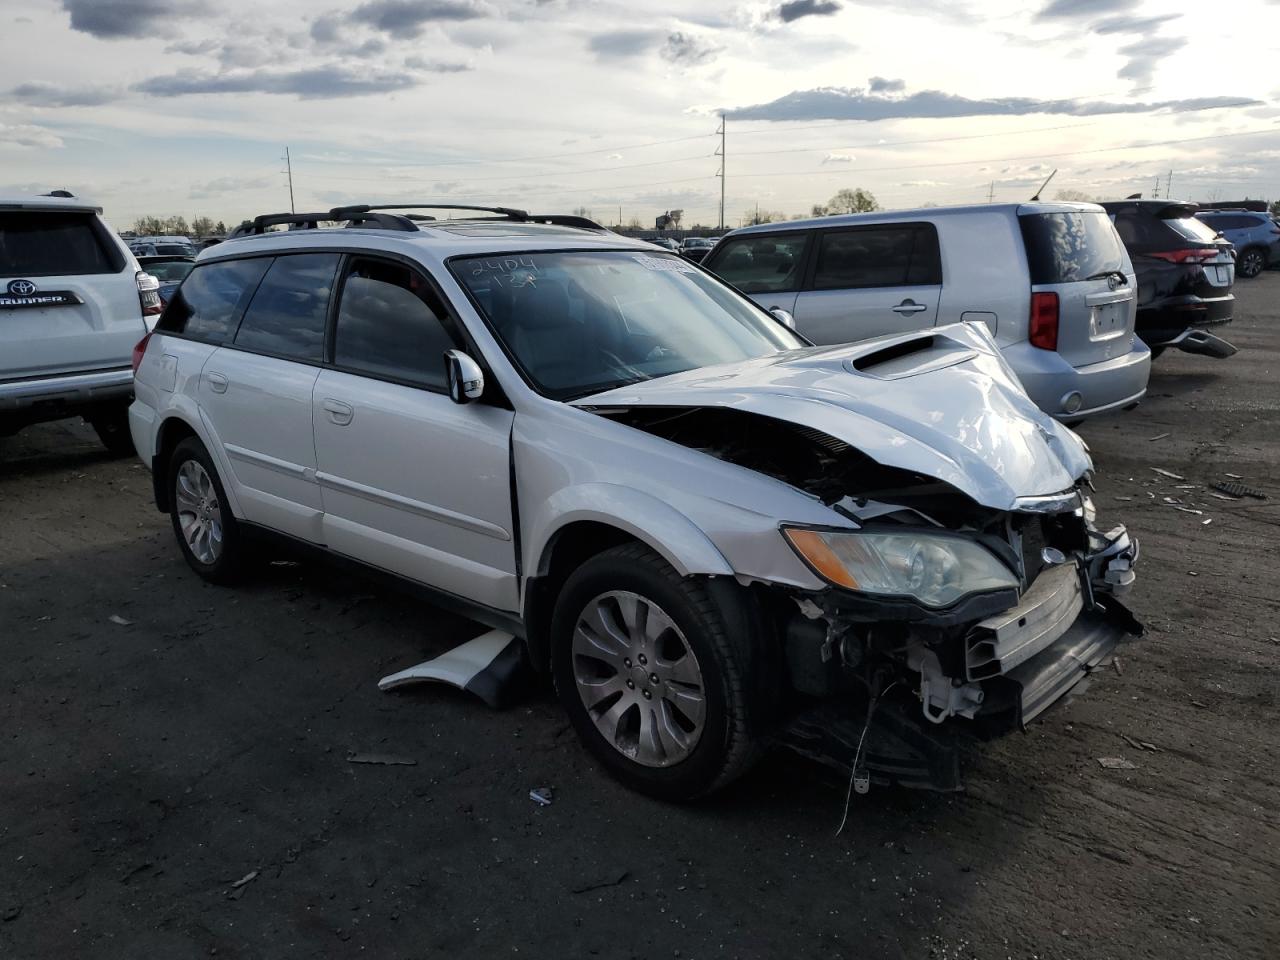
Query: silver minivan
[1051,281]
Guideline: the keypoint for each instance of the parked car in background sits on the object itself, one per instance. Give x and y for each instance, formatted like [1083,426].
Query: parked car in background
[73,302]
[162,247]
[709,532]
[1051,282]
[1185,274]
[666,243]
[695,248]
[168,271]
[1256,237]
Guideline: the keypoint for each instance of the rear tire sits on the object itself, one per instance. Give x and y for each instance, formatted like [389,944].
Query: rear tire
[657,686]
[1252,262]
[112,428]
[208,535]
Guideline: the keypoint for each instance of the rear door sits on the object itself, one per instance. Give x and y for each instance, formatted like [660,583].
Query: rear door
[767,267]
[1078,256]
[868,281]
[256,392]
[68,294]
[412,482]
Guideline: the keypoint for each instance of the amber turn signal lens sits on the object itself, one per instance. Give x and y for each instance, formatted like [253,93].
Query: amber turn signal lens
[810,545]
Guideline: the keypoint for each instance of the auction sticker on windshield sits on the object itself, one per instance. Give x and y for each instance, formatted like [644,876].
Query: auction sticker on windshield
[665,263]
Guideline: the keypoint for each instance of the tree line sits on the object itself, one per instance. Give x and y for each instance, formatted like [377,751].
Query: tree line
[178,227]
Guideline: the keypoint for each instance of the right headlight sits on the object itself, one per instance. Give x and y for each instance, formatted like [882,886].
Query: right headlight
[936,570]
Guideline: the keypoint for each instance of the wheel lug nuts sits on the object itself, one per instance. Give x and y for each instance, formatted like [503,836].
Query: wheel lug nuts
[631,684]
[653,678]
[648,695]
[643,659]
[626,663]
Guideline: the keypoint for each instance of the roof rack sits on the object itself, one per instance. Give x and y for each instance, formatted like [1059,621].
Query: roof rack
[340,213]
[507,213]
[364,214]
[311,221]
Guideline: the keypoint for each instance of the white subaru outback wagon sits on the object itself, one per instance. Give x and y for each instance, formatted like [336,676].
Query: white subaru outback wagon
[712,535]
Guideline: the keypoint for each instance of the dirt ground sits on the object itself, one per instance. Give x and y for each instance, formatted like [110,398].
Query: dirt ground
[148,765]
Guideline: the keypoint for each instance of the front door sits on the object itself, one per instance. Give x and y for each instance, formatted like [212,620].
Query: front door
[411,482]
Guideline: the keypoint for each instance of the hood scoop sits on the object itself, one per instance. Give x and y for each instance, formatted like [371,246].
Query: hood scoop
[910,358]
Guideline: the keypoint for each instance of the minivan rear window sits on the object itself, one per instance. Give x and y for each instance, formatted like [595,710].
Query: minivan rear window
[1071,246]
[54,244]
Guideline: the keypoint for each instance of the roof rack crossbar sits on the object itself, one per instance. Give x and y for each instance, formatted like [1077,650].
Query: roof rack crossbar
[311,221]
[341,213]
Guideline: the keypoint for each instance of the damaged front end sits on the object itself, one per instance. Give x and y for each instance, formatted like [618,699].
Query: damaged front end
[896,689]
[945,621]
[968,586]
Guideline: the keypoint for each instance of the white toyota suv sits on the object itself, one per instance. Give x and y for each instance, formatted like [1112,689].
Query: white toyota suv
[73,302]
[711,534]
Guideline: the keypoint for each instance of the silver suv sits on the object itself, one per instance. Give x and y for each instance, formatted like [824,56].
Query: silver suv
[712,535]
[73,302]
[1051,281]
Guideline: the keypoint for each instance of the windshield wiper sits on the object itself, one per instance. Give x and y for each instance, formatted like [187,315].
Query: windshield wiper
[1109,273]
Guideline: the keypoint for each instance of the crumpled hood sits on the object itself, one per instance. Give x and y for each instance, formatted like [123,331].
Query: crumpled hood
[942,403]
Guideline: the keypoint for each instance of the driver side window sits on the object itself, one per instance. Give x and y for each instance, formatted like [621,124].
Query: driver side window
[391,325]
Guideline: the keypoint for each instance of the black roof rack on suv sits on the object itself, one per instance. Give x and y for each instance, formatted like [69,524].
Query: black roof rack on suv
[507,213]
[311,221]
[371,215]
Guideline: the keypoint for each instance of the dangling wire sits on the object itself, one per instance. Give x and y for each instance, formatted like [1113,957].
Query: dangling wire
[857,757]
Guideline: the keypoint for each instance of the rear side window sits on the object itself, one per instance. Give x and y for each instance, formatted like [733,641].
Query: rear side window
[209,302]
[768,263]
[55,244]
[1066,247]
[391,325]
[887,256]
[286,316]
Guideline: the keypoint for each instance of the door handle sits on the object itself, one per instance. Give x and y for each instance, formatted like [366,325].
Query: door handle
[339,412]
[908,307]
[217,382]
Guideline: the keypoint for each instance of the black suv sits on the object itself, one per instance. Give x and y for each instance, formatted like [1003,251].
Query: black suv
[1185,272]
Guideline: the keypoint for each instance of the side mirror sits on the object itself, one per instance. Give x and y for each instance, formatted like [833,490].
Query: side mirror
[465,379]
[784,318]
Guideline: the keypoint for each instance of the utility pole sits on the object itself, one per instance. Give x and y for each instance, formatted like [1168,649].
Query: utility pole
[288,168]
[723,161]
[991,192]
[1168,186]
[1155,193]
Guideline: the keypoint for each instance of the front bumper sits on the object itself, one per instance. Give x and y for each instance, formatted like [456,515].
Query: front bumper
[975,681]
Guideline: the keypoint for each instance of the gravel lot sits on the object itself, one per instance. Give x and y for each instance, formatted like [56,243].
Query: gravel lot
[146,766]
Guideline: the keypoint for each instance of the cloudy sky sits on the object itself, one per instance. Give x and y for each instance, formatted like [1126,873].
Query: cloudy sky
[184,106]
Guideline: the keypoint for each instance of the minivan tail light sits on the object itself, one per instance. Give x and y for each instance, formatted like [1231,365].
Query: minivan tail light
[1044,321]
[139,351]
[1193,255]
[149,294]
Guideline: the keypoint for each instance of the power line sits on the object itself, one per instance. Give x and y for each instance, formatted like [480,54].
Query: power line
[529,176]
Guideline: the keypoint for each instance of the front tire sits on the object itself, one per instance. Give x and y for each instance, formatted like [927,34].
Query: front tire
[208,535]
[1252,262]
[657,686]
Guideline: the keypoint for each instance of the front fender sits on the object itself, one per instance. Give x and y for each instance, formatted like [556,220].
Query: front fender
[643,516]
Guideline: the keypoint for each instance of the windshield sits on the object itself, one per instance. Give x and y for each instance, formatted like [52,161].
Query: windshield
[579,323]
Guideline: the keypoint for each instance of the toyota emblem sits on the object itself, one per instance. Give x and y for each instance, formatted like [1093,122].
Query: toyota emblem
[21,288]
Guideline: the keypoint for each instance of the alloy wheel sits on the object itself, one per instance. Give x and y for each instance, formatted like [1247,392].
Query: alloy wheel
[199,512]
[638,678]
[1251,263]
